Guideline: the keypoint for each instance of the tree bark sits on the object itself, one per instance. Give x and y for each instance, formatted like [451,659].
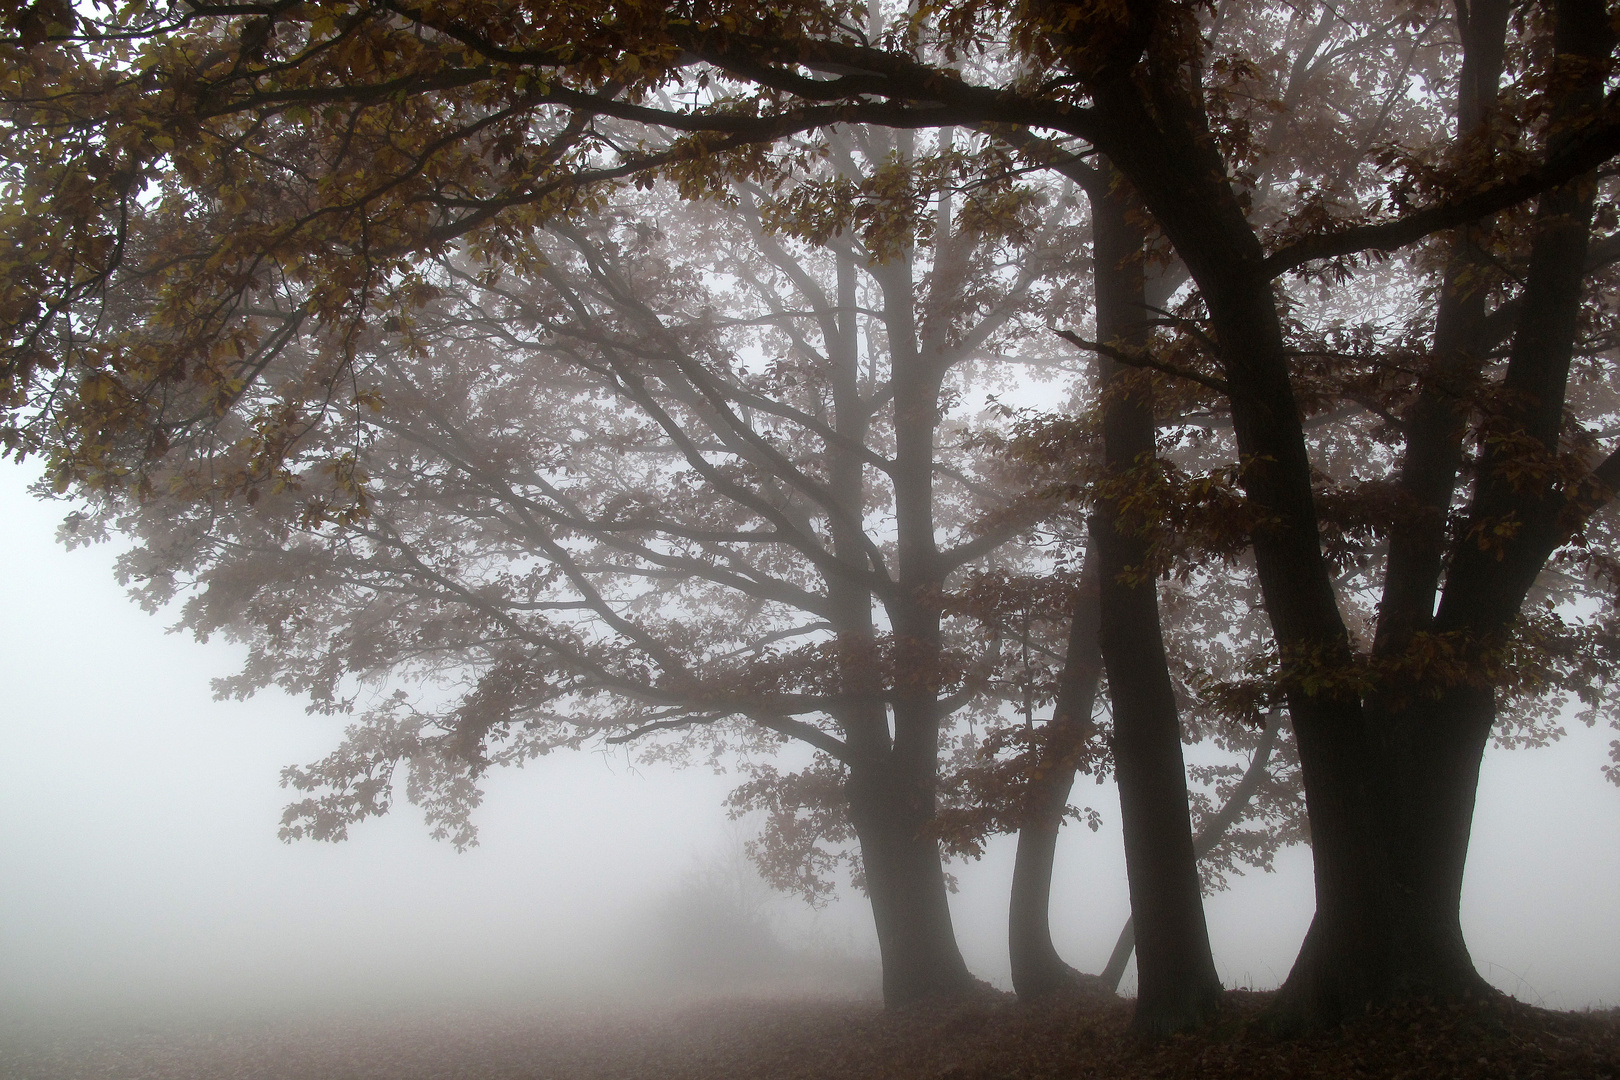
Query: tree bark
[1436,424]
[891,779]
[1177,983]
[1037,969]
[1389,813]
[1159,136]
[1438,740]
[906,883]
[1430,746]
[1383,875]
[1213,832]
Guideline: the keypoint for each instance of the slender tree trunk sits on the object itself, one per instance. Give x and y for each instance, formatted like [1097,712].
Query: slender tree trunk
[1436,424]
[1037,969]
[1213,832]
[1177,983]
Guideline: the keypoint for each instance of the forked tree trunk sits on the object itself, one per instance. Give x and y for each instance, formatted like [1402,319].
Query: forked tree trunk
[1165,149]
[1176,979]
[892,783]
[1434,737]
[1425,742]
[1390,798]
[1344,963]
[1037,969]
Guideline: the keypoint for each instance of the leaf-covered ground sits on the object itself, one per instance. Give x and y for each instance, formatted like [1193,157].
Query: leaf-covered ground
[797,1040]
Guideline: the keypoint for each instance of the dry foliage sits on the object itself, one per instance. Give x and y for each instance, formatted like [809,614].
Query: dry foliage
[798,1040]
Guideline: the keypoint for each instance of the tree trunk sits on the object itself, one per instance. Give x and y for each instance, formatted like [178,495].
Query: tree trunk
[1037,969]
[892,795]
[1165,148]
[1440,746]
[1378,932]
[1213,832]
[1436,424]
[1430,752]
[1177,983]
[1438,740]
[906,883]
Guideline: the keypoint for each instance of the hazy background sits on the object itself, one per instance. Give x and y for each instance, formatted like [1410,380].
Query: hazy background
[140,870]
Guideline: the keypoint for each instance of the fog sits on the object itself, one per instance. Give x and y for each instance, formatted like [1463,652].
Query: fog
[143,874]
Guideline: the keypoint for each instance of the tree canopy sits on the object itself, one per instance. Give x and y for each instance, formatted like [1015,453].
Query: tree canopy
[1373,400]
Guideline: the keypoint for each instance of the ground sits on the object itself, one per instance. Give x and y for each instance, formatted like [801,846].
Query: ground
[821,1040]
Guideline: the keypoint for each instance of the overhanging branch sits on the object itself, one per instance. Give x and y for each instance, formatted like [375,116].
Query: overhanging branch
[1599,142]
[1142,360]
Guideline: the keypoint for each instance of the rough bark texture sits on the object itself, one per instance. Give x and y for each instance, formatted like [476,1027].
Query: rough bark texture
[1177,986]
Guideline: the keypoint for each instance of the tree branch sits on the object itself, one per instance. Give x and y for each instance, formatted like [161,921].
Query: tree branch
[1597,143]
[1138,360]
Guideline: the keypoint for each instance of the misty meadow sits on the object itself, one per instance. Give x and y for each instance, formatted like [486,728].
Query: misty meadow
[845,460]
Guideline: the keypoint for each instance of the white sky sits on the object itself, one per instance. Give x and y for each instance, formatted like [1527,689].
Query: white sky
[139,865]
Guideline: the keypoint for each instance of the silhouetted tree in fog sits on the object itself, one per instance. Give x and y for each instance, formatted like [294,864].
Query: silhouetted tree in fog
[230,233]
[682,477]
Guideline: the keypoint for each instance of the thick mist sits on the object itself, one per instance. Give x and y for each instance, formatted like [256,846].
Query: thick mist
[143,876]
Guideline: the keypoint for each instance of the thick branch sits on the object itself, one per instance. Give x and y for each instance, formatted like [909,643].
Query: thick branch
[1597,143]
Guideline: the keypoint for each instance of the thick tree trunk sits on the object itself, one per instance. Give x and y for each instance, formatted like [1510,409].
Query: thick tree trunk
[1165,148]
[1366,784]
[1177,986]
[1437,741]
[1433,747]
[906,883]
[1438,751]
[1037,969]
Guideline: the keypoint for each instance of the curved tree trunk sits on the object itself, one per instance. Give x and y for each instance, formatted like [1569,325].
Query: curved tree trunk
[1177,983]
[1037,969]
[1213,832]
[1165,150]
